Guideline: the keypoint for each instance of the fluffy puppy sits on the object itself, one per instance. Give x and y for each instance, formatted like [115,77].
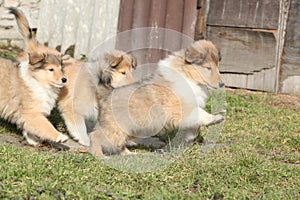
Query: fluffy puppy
[172,99]
[77,101]
[29,90]
[28,94]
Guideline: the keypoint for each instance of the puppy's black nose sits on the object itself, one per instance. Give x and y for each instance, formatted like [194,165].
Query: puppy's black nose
[221,84]
[64,80]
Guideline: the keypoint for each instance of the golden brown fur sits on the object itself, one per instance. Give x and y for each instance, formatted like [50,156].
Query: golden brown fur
[77,101]
[28,94]
[29,90]
[173,98]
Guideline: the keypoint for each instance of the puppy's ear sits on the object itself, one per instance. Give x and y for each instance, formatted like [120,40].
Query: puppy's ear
[192,55]
[133,62]
[115,61]
[65,57]
[36,58]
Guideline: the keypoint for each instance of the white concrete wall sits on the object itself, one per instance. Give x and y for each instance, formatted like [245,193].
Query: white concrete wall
[9,34]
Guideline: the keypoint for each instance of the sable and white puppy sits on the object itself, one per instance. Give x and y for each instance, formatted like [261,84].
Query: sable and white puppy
[77,101]
[173,98]
[28,94]
[29,90]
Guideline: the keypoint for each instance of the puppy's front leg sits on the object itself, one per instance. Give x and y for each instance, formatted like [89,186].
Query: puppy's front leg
[37,124]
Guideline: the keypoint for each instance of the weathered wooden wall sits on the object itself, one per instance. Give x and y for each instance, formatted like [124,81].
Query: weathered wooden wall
[260,42]
[246,33]
[171,26]
[290,72]
[84,23]
[176,15]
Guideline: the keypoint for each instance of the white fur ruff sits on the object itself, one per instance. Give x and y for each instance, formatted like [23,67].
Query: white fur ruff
[45,94]
[189,91]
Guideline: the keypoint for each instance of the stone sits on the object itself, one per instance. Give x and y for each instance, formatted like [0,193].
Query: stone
[4,42]
[7,24]
[17,43]
[12,33]
[11,3]
[30,2]
[4,14]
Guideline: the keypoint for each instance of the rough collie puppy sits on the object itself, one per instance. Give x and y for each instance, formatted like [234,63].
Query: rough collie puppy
[29,90]
[77,101]
[28,94]
[172,99]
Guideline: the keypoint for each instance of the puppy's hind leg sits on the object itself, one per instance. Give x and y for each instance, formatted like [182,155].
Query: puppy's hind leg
[200,117]
[108,142]
[96,144]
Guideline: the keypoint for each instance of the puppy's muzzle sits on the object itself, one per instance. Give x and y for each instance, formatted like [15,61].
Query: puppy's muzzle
[64,80]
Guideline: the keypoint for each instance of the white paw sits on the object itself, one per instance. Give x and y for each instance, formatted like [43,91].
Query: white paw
[74,136]
[216,120]
[131,143]
[85,141]
[127,152]
[62,138]
[30,139]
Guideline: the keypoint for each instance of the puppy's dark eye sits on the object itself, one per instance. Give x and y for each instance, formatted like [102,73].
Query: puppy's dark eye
[123,73]
[51,69]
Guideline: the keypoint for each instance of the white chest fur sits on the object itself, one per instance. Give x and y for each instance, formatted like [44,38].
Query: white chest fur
[44,95]
[184,88]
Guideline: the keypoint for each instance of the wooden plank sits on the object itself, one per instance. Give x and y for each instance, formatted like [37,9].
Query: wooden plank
[174,18]
[125,15]
[263,80]
[200,29]
[244,13]
[291,85]
[244,51]
[189,19]
[125,25]
[139,39]
[282,24]
[290,71]
[235,80]
[291,56]
[269,80]
[156,36]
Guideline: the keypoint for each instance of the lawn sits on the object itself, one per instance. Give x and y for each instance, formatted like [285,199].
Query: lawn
[257,157]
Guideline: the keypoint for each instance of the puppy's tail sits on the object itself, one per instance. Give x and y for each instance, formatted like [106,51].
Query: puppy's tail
[23,24]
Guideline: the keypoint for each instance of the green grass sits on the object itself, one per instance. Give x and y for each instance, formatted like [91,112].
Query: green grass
[9,52]
[259,159]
